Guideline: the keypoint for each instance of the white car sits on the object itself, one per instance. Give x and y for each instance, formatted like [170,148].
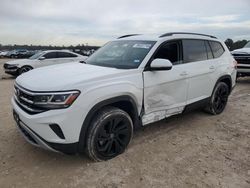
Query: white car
[242,56]
[41,59]
[3,53]
[128,83]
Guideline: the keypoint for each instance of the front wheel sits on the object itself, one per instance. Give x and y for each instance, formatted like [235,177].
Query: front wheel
[24,69]
[218,99]
[109,134]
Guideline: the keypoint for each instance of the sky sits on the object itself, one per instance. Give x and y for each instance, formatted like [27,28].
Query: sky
[94,22]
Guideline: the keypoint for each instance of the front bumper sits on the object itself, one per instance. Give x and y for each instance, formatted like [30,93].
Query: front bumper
[12,71]
[29,135]
[37,131]
[37,141]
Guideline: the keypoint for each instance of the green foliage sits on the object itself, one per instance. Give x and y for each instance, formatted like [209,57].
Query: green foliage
[235,45]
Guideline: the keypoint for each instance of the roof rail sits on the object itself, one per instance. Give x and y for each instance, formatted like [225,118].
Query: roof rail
[173,33]
[130,35]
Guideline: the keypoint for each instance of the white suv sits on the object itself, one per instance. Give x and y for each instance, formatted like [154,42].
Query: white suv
[128,83]
[242,56]
[41,59]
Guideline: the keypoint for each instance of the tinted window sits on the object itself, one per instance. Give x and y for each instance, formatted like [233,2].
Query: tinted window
[194,50]
[217,48]
[170,51]
[209,51]
[50,55]
[65,55]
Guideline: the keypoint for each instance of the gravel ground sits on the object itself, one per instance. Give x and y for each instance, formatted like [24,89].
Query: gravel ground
[191,150]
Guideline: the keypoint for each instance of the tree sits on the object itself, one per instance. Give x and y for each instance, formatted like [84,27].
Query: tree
[229,43]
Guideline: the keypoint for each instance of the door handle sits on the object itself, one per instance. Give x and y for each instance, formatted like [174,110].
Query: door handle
[184,73]
[212,68]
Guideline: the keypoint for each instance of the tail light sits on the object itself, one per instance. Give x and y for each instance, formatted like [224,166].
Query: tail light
[235,63]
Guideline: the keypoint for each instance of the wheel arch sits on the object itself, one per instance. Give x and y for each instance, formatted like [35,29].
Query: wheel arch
[26,66]
[227,80]
[18,70]
[124,102]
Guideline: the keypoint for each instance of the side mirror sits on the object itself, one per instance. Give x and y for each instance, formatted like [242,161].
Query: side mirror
[41,58]
[160,64]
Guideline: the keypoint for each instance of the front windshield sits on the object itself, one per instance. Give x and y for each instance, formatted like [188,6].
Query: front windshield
[247,45]
[36,55]
[121,54]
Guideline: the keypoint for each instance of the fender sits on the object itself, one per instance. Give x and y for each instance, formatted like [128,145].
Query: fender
[124,98]
[223,78]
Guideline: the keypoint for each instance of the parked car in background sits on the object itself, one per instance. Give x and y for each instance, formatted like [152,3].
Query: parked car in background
[41,59]
[26,54]
[16,53]
[3,53]
[128,83]
[11,54]
[242,56]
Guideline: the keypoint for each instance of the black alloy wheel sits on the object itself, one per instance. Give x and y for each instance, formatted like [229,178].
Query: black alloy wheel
[219,99]
[109,135]
[24,69]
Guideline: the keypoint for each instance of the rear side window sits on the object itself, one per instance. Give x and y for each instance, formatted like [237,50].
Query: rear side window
[65,55]
[50,55]
[194,50]
[170,51]
[217,48]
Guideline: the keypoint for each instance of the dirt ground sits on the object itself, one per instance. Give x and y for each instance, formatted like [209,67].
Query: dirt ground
[192,150]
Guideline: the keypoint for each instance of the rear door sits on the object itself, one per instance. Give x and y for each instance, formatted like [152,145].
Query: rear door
[198,56]
[50,59]
[65,57]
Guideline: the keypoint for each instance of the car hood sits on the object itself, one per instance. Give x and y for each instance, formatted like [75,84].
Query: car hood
[64,76]
[241,51]
[19,62]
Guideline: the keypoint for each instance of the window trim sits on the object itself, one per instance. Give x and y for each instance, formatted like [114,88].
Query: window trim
[73,55]
[212,49]
[50,58]
[207,41]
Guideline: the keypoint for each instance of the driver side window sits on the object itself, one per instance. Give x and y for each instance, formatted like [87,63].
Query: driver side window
[50,55]
[170,51]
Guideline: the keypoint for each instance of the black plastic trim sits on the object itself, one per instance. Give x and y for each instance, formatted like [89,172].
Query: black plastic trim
[188,33]
[57,129]
[242,67]
[125,36]
[197,105]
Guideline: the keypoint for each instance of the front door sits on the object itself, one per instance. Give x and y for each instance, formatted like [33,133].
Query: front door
[165,92]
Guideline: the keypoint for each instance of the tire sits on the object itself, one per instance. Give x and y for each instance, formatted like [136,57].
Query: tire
[218,99]
[24,69]
[109,134]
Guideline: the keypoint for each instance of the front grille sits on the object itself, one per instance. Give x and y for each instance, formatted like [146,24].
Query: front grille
[5,65]
[242,58]
[25,100]
[242,67]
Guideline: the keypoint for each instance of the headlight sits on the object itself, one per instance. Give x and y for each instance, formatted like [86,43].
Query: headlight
[55,100]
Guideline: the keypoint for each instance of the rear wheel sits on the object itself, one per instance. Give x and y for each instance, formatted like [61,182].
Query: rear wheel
[24,69]
[219,99]
[109,135]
